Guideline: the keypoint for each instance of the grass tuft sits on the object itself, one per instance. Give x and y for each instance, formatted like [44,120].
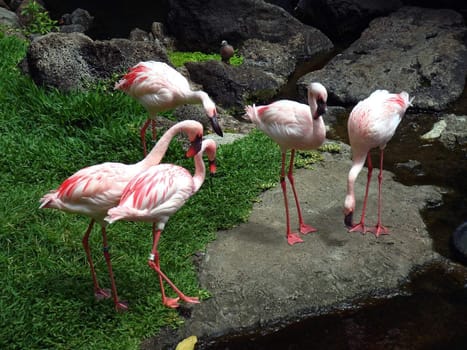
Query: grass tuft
[179,58]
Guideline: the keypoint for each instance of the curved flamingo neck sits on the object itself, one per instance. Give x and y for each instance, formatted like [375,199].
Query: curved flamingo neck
[200,171]
[313,105]
[195,97]
[208,146]
[158,151]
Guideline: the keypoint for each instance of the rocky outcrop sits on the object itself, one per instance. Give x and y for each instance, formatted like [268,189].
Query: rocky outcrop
[418,50]
[8,18]
[232,86]
[207,23]
[451,131]
[343,19]
[73,61]
[79,20]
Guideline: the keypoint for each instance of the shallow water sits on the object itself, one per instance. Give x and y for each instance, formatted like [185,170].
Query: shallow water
[431,312]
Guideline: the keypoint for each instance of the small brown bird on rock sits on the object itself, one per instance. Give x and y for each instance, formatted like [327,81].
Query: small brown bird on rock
[226,51]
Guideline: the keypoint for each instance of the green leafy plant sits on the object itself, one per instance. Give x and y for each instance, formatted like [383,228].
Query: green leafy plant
[37,19]
[179,58]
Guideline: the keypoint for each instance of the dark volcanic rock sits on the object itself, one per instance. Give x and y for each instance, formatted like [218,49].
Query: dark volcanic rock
[232,86]
[343,19]
[421,51]
[207,23]
[73,61]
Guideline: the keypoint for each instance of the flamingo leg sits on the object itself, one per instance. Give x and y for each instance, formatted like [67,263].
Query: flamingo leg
[119,305]
[143,135]
[99,293]
[379,228]
[155,265]
[360,227]
[292,237]
[154,130]
[304,228]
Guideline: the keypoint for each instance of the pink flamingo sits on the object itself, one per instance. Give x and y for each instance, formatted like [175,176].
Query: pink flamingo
[159,87]
[293,126]
[371,124]
[92,191]
[154,196]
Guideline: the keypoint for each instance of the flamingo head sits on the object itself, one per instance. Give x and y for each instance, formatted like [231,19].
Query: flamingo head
[209,146]
[215,123]
[211,112]
[349,207]
[348,219]
[317,99]
[195,146]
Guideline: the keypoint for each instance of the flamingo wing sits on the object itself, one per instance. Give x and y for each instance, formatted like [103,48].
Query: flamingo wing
[92,190]
[154,195]
[375,119]
[285,121]
[154,84]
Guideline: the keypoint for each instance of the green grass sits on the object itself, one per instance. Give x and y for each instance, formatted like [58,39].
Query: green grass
[179,58]
[46,299]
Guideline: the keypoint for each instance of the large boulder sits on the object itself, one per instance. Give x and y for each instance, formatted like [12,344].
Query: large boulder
[8,18]
[232,86]
[70,61]
[421,51]
[207,23]
[343,19]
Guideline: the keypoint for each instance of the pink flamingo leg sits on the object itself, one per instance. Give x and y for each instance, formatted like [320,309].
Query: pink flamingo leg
[292,237]
[119,305]
[99,293]
[304,228]
[379,228]
[143,135]
[154,130]
[360,227]
[154,264]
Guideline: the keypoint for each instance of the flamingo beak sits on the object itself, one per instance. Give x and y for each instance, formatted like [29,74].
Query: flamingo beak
[215,125]
[322,108]
[195,147]
[348,220]
[212,167]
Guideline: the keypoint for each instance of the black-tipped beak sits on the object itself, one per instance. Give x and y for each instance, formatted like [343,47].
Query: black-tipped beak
[215,125]
[348,220]
[195,146]
[322,108]
[212,167]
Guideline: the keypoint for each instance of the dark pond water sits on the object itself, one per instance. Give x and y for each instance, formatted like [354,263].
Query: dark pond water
[431,312]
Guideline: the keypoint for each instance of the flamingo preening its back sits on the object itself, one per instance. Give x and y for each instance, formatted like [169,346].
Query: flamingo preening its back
[293,125]
[93,190]
[159,87]
[372,123]
[154,196]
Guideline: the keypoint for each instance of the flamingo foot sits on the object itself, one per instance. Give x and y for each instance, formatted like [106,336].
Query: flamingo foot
[171,302]
[293,238]
[190,300]
[379,230]
[101,294]
[305,229]
[121,306]
[358,228]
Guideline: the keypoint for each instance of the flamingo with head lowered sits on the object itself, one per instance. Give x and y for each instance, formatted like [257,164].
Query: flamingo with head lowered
[159,87]
[92,191]
[372,123]
[154,196]
[293,126]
